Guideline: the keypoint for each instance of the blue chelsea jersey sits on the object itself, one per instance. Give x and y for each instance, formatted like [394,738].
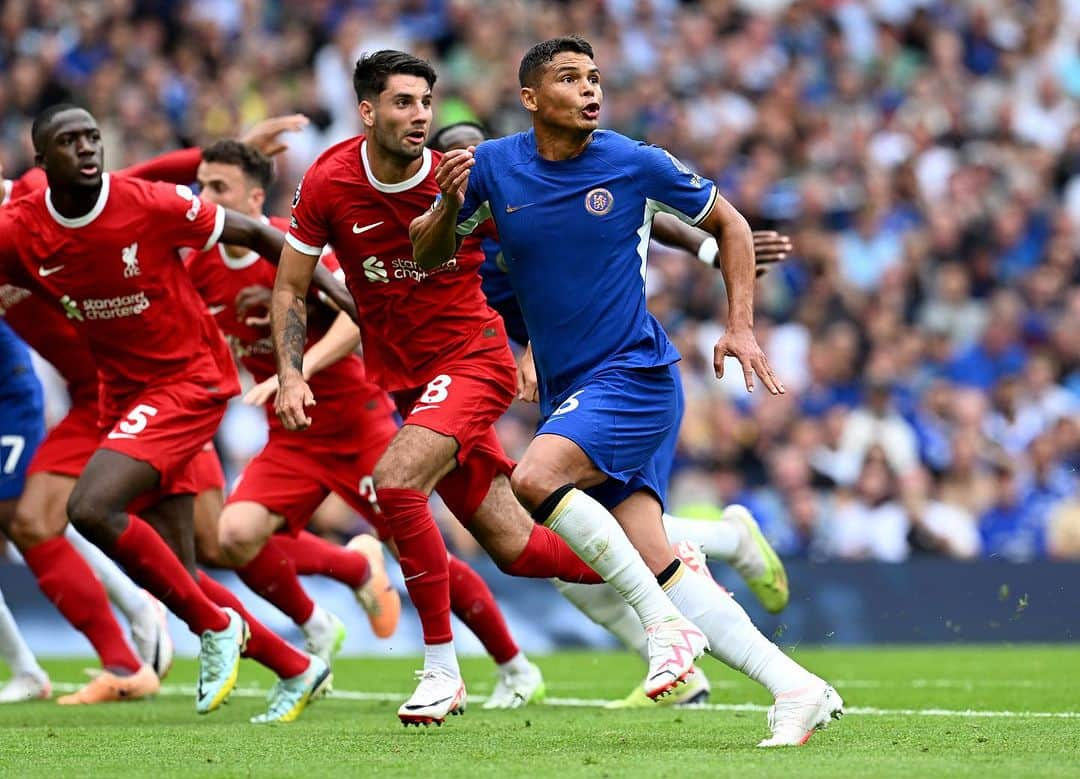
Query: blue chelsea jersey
[575,234]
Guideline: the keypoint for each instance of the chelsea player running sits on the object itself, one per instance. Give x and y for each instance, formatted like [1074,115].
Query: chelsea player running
[574,206]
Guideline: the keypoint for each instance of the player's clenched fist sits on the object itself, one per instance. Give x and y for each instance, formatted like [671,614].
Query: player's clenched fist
[294,396]
[452,176]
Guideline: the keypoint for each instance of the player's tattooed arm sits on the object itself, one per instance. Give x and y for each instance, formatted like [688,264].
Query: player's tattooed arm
[770,247]
[434,234]
[288,328]
[732,233]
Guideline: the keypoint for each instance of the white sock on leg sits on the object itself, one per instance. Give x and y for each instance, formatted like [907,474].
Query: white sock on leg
[441,657]
[517,664]
[733,638]
[123,593]
[719,539]
[13,648]
[608,609]
[598,539]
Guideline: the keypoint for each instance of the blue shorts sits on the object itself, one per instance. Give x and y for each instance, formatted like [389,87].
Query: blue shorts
[665,455]
[22,428]
[621,419]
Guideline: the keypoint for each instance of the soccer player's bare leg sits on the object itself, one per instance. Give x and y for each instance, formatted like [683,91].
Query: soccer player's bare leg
[98,509]
[548,481]
[405,475]
[208,507]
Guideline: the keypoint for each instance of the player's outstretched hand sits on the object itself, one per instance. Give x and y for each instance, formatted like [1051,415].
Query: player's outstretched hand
[265,135]
[294,396]
[770,247]
[743,346]
[526,377]
[452,175]
[262,392]
[255,296]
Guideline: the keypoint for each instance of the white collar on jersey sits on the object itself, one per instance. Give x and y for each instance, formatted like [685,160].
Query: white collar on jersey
[401,186]
[243,261]
[7,185]
[87,218]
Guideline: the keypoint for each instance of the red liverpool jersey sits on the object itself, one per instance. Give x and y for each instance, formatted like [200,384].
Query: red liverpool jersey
[117,275]
[411,319]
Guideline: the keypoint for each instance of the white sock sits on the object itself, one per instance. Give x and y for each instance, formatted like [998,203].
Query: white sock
[717,538]
[732,636]
[517,664]
[441,657]
[13,648]
[605,607]
[123,593]
[318,621]
[598,539]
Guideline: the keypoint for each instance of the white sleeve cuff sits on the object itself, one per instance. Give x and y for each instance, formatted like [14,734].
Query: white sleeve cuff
[303,248]
[219,225]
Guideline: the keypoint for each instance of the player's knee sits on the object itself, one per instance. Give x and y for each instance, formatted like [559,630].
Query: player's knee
[237,542]
[532,482]
[90,514]
[27,528]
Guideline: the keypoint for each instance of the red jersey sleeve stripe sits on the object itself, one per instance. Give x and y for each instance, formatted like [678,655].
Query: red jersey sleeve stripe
[303,248]
[219,225]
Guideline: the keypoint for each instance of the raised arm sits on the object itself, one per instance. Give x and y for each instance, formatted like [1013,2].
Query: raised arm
[288,328]
[434,234]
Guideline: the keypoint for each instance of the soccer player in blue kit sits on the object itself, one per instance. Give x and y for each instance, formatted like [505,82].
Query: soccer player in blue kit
[574,207]
[22,426]
[733,536]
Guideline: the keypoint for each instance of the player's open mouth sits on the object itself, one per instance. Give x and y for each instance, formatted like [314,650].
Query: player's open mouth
[417,137]
[591,111]
[89,170]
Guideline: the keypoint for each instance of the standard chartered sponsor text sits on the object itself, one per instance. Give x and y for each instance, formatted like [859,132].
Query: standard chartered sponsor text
[115,308]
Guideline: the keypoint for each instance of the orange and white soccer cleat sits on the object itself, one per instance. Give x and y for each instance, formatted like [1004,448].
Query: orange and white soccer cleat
[107,687]
[795,716]
[673,645]
[439,694]
[377,595]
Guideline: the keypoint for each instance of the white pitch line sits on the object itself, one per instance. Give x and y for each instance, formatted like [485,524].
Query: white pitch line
[868,711]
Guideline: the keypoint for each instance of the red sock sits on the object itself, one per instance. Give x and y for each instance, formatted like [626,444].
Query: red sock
[264,646]
[422,558]
[272,574]
[473,603]
[149,561]
[317,556]
[547,556]
[68,581]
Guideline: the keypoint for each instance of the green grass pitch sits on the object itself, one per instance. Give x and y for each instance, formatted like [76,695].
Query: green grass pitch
[933,711]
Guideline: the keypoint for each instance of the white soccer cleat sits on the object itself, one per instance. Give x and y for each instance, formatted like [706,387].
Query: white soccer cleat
[796,715]
[438,694]
[673,645]
[514,690]
[150,634]
[26,687]
[694,692]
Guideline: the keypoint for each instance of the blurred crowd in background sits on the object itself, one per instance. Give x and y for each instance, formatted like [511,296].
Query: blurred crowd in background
[924,156]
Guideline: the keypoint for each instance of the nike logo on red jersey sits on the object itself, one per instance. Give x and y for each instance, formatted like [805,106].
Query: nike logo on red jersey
[357,229]
[43,271]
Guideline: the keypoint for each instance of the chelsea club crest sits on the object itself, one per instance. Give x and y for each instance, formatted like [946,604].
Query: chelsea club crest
[599,201]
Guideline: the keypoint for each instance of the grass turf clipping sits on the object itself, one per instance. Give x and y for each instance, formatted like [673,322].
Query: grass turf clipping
[931,711]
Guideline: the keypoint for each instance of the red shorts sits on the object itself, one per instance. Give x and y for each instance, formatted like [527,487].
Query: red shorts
[291,476]
[464,401]
[68,446]
[166,427]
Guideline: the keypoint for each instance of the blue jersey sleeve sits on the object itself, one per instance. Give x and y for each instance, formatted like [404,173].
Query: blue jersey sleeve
[672,187]
[476,208]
